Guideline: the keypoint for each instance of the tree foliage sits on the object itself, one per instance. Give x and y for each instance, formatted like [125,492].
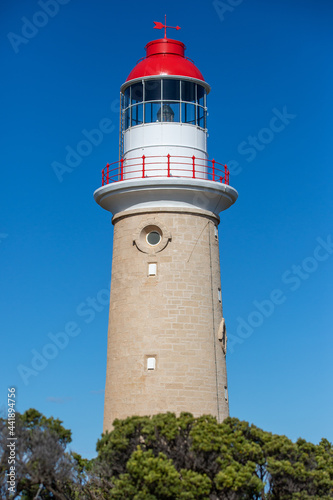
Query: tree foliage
[167,457]
[42,466]
[164,457]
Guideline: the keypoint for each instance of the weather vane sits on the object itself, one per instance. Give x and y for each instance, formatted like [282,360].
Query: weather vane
[159,26]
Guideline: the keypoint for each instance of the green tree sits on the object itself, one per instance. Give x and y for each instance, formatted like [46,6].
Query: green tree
[42,466]
[163,457]
[156,478]
[167,457]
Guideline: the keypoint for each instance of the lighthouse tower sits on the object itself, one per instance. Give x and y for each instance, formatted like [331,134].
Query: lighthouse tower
[166,336]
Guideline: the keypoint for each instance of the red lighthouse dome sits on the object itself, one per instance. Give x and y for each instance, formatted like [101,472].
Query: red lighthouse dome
[165,57]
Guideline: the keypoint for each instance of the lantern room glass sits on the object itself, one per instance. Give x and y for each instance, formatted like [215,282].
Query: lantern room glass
[166,100]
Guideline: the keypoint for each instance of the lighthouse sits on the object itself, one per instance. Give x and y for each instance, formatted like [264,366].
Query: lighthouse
[166,336]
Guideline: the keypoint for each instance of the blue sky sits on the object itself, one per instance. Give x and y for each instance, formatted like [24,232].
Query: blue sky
[263,60]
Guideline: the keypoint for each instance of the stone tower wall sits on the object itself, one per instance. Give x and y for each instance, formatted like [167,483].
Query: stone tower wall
[174,317]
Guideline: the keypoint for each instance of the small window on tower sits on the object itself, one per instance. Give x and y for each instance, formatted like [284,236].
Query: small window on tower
[201,117]
[136,93]
[151,363]
[171,90]
[151,112]
[137,115]
[226,393]
[153,90]
[127,115]
[152,269]
[201,95]
[216,233]
[219,294]
[127,96]
[153,238]
[188,91]
[188,113]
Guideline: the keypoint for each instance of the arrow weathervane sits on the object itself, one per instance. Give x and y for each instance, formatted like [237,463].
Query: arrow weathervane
[159,26]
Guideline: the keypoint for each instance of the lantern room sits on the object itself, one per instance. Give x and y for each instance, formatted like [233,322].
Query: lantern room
[164,104]
[164,100]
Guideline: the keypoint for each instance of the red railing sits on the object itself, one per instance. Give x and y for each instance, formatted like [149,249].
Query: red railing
[165,166]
